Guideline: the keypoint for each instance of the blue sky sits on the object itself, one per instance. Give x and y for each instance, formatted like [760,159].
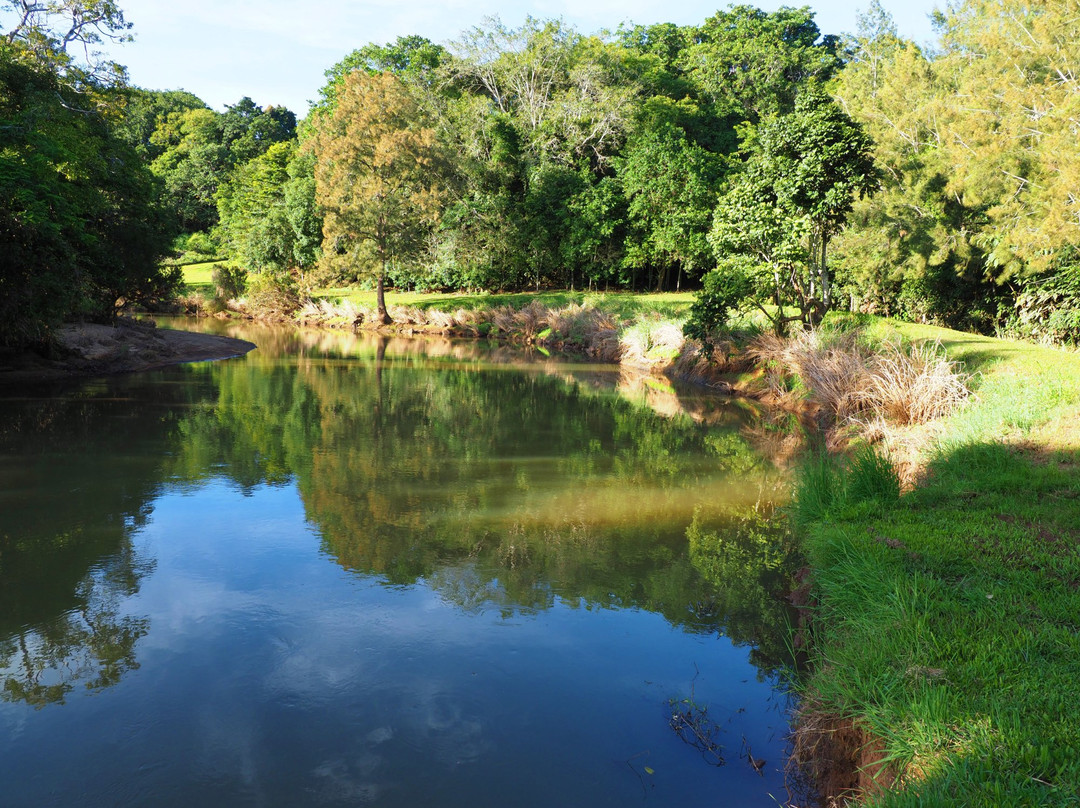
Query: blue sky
[276,51]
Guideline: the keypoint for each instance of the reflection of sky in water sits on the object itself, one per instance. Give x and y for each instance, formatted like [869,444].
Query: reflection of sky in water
[271,676]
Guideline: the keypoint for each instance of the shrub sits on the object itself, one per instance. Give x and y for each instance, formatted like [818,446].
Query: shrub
[230,282]
[723,290]
[272,295]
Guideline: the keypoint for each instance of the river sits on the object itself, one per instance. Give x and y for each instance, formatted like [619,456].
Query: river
[345,570]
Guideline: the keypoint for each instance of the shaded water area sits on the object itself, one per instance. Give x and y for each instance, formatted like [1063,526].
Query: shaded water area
[347,571]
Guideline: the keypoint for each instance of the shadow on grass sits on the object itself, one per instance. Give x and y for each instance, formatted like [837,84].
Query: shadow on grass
[953,627]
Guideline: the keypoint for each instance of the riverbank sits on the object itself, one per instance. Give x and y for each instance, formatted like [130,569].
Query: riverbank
[87,349]
[946,630]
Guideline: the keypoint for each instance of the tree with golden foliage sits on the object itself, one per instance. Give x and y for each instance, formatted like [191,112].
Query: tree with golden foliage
[377,177]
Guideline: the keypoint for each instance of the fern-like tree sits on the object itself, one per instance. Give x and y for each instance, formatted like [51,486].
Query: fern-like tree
[378,177]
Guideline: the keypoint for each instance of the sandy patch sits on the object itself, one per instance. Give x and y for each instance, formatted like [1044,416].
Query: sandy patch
[87,349]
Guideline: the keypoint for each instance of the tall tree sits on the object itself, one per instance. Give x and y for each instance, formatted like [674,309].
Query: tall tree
[909,250]
[752,64]
[1011,75]
[81,232]
[377,177]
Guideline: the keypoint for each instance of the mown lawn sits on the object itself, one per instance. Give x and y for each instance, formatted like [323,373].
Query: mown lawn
[948,622]
[198,278]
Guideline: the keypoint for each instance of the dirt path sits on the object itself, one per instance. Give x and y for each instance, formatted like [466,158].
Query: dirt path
[94,350]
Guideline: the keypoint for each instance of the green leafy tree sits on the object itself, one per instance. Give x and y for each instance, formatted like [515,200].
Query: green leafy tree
[908,250]
[199,149]
[802,175]
[377,177]
[80,227]
[144,111]
[268,217]
[1009,110]
[752,64]
[414,59]
[670,185]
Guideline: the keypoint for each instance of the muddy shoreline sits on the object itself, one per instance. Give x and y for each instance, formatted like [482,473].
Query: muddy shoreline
[83,350]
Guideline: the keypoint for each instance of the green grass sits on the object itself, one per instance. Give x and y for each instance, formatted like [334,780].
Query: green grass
[949,621]
[627,305]
[198,278]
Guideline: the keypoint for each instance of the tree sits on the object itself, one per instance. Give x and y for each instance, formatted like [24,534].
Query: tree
[377,177]
[670,186]
[752,64]
[1009,75]
[267,212]
[799,183]
[48,28]
[81,232]
[908,250]
[818,160]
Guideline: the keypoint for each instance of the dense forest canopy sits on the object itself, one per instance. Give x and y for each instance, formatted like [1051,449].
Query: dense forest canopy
[751,156]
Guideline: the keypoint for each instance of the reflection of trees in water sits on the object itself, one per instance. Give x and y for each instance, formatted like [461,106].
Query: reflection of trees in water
[78,473]
[748,559]
[92,644]
[500,489]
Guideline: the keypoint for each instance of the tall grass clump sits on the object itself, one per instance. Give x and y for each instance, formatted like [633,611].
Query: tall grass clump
[818,490]
[826,486]
[853,383]
[829,367]
[871,476]
[913,385]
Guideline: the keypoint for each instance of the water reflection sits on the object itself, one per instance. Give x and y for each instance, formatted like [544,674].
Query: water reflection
[78,472]
[429,461]
[337,556]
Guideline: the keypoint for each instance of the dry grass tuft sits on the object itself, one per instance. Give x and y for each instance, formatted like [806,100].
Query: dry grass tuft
[502,319]
[468,320]
[440,319]
[914,386]
[832,372]
[531,320]
[573,323]
[650,342]
[855,385]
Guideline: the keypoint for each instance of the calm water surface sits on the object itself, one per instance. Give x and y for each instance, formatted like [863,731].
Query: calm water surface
[347,572]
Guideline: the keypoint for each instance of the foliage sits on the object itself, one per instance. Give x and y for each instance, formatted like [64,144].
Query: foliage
[81,229]
[377,176]
[49,32]
[196,150]
[793,194]
[1048,308]
[723,291]
[670,187]
[230,282]
[751,64]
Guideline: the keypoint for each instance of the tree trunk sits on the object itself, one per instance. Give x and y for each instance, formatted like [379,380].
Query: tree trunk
[826,284]
[383,315]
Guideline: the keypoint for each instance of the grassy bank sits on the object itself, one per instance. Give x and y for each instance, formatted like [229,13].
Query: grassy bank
[947,621]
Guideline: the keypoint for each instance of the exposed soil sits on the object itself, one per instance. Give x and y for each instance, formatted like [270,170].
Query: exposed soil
[87,349]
